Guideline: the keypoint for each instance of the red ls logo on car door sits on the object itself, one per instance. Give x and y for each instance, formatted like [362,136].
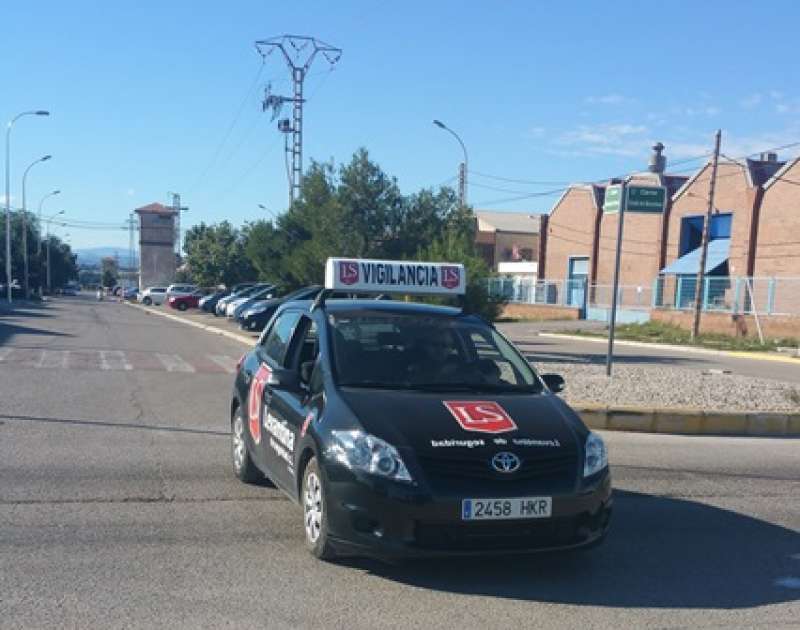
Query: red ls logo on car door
[254,401]
[484,416]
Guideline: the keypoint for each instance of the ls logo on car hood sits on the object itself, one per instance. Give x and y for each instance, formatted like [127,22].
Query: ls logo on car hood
[483,416]
[506,462]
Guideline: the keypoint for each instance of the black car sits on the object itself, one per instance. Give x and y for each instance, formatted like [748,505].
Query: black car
[209,302]
[407,430]
[256,316]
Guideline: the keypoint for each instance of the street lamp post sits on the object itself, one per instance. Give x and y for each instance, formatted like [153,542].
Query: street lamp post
[462,171]
[48,247]
[25,226]
[39,214]
[11,122]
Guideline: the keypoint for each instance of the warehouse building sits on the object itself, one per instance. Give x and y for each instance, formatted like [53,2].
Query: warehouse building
[156,245]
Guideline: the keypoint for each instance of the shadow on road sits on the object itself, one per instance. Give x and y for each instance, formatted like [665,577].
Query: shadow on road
[546,356]
[7,331]
[661,553]
[115,425]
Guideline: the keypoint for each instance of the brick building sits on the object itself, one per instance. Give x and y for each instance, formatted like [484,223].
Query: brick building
[156,245]
[581,234]
[509,241]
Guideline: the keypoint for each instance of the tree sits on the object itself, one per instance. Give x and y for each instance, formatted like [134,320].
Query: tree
[216,254]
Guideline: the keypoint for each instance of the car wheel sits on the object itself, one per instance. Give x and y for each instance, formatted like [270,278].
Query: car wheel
[147,301]
[243,466]
[315,517]
[182,306]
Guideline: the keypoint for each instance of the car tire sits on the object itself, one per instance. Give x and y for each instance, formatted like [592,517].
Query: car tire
[147,301]
[182,306]
[243,466]
[315,516]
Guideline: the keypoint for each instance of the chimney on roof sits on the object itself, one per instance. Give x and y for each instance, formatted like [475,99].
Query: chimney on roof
[769,156]
[658,162]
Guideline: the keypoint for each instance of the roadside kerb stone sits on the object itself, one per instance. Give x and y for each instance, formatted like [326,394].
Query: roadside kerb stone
[213,329]
[763,356]
[688,421]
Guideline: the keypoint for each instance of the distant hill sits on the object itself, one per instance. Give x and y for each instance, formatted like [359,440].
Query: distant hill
[93,255]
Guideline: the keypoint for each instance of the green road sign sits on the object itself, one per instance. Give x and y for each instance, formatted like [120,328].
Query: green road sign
[646,199]
[638,198]
[611,203]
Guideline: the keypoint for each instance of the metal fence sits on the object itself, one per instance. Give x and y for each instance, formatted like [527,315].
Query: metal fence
[728,294]
[768,296]
[525,290]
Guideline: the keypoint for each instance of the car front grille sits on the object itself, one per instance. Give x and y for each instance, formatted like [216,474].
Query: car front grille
[538,467]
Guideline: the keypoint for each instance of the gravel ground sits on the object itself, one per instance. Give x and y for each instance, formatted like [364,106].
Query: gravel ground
[673,387]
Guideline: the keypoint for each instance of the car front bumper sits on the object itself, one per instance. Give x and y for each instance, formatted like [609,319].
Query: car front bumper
[391,520]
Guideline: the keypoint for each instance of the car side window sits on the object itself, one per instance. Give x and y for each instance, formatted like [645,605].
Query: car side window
[277,341]
[304,350]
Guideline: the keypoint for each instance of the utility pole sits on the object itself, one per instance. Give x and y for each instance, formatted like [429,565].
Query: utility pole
[699,293]
[177,208]
[462,183]
[615,288]
[299,53]
[131,254]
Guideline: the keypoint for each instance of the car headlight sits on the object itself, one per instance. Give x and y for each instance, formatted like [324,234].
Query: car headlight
[361,451]
[256,310]
[596,457]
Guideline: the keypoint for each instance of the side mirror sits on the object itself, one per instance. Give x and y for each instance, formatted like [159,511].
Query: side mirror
[306,368]
[555,382]
[284,379]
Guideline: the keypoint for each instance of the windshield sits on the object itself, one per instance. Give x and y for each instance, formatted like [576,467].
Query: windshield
[413,351]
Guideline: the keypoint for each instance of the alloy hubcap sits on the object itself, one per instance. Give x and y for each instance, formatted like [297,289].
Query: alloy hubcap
[312,504]
[237,442]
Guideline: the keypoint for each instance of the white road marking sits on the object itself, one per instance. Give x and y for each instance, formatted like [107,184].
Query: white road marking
[225,362]
[4,352]
[65,360]
[104,365]
[788,582]
[117,360]
[50,359]
[173,363]
[42,358]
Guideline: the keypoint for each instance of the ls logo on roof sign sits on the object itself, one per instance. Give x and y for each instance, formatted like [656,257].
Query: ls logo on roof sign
[348,272]
[451,276]
[483,416]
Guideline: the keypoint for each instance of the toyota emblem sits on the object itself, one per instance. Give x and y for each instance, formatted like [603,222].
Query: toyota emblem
[506,462]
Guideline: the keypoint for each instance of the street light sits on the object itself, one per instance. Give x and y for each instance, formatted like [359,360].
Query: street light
[39,112]
[48,195]
[462,173]
[25,226]
[47,222]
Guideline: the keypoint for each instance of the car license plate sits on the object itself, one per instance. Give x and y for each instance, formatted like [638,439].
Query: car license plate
[498,509]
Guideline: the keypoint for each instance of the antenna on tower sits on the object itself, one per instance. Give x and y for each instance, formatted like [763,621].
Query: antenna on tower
[299,53]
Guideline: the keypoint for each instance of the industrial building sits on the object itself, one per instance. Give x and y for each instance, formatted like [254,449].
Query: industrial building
[157,234]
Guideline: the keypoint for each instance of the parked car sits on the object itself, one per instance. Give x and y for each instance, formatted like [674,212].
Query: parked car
[153,295]
[183,302]
[180,289]
[257,314]
[209,302]
[236,306]
[131,293]
[219,311]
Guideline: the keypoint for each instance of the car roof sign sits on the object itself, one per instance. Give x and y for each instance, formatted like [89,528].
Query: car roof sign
[395,276]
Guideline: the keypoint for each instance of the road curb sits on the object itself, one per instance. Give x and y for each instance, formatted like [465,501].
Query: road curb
[734,354]
[688,421]
[212,329]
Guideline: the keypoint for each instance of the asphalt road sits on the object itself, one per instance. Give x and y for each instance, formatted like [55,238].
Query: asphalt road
[118,509]
[555,350]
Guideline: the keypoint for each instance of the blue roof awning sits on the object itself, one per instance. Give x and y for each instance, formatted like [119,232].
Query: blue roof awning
[690,263]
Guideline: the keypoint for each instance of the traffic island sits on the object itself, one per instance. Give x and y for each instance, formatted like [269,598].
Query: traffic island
[688,421]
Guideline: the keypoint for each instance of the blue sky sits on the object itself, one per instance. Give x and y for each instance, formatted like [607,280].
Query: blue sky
[142,95]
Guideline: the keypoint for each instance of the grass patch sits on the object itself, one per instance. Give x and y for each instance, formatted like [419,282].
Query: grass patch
[658,332]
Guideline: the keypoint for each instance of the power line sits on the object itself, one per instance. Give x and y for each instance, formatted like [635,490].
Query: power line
[228,131]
